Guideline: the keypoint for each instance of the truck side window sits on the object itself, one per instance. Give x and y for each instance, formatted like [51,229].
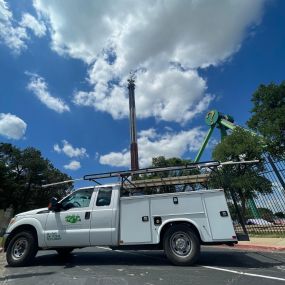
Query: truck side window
[104,196]
[79,199]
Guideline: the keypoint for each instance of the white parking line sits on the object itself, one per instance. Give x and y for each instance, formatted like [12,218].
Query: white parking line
[245,273]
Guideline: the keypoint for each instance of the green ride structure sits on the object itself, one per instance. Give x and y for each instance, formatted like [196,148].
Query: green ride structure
[215,119]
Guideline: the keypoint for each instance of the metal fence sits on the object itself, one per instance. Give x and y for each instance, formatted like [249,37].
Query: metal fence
[264,214]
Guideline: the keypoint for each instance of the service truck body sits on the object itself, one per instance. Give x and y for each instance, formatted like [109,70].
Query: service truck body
[98,215]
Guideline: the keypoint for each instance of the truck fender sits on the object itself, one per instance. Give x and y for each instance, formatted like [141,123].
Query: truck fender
[185,220]
[30,222]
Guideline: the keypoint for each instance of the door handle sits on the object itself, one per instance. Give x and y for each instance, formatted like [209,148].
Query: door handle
[87,215]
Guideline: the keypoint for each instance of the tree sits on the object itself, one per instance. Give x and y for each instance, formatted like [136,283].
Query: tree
[266,214]
[234,215]
[242,181]
[280,215]
[22,172]
[268,116]
[161,161]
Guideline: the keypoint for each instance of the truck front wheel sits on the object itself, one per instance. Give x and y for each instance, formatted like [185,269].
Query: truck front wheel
[181,245]
[22,249]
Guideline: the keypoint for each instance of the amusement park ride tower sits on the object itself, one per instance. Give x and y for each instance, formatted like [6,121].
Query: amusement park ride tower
[133,127]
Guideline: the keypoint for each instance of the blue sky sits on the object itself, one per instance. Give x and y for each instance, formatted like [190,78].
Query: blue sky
[64,66]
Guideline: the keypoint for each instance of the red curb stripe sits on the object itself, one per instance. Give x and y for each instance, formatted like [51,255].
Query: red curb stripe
[254,247]
[261,247]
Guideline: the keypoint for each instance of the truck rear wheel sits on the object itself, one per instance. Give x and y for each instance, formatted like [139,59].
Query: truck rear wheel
[181,245]
[22,249]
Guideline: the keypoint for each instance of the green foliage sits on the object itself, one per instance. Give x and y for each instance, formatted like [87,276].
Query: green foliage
[266,214]
[280,215]
[242,181]
[161,161]
[234,215]
[268,116]
[240,144]
[22,172]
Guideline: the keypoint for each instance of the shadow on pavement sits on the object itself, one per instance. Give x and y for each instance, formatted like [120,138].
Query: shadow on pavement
[238,259]
[216,257]
[80,258]
[27,275]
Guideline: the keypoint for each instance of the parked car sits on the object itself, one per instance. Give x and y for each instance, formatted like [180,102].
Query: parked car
[279,222]
[260,222]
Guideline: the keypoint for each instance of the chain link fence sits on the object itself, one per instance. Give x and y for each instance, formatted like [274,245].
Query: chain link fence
[263,214]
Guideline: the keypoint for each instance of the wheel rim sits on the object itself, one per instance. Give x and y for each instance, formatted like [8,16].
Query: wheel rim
[19,248]
[180,244]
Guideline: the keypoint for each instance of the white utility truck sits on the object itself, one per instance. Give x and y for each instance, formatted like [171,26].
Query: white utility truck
[103,215]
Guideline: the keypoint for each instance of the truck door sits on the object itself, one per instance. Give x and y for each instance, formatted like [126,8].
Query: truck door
[103,217]
[71,226]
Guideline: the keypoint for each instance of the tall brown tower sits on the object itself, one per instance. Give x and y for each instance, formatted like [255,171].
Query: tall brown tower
[133,127]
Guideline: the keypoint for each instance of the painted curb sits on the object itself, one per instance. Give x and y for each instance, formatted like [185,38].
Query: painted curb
[255,247]
[260,247]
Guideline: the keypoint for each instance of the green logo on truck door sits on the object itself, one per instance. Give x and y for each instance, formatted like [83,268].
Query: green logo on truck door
[73,219]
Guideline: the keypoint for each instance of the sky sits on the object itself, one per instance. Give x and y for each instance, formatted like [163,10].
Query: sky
[65,65]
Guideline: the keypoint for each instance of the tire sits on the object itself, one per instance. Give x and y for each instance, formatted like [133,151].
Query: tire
[22,249]
[181,245]
[64,251]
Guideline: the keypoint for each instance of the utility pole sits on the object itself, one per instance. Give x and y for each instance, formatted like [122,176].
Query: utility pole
[133,128]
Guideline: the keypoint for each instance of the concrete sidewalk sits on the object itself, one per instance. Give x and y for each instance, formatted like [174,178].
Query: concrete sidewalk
[262,244]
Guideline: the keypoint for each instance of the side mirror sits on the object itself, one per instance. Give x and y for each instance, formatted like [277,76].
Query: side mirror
[54,205]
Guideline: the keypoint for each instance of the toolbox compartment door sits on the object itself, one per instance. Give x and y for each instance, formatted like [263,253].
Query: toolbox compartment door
[135,223]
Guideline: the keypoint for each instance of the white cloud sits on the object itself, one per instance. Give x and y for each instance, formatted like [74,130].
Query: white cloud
[197,33]
[11,34]
[12,126]
[73,165]
[30,22]
[69,150]
[151,144]
[170,95]
[39,87]
[57,148]
[167,41]
[116,159]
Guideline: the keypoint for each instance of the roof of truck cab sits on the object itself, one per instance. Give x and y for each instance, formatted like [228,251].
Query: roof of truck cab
[97,186]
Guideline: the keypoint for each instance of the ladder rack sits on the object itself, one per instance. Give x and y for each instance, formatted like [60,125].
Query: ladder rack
[177,180]
[127,173]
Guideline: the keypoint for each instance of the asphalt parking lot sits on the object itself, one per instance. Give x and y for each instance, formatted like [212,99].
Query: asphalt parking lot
[106,267]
